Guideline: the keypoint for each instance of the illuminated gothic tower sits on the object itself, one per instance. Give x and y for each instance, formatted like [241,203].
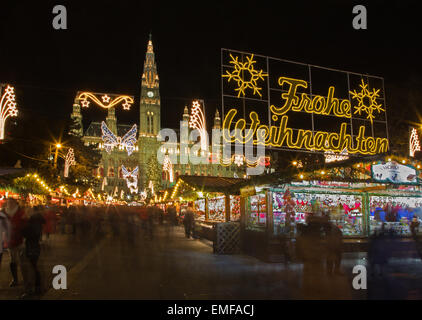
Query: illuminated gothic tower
[150,109]
[150,94]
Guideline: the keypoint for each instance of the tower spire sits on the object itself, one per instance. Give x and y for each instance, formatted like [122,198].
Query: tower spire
[217,120]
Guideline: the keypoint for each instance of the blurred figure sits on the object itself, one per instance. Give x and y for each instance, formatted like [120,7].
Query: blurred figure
[4,232]
[17,220]
[334,238]
[414,226]
[311,250]
[50,221]
[172,214]
[32,232]
[160,213]
[189,220]
[378,252]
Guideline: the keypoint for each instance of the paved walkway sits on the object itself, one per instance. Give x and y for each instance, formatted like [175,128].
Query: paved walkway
[173,267]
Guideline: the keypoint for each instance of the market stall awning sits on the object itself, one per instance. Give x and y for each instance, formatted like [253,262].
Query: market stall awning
[214,184]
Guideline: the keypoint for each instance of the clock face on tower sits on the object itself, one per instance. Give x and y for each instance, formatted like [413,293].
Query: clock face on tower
[150,94]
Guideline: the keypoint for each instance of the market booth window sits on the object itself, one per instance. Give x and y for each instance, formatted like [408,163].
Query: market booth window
[343,209]
[256,211]
[395,213]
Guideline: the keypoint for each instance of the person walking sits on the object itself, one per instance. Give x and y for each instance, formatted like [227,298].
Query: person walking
[189,220]
[16,216]
[32,233]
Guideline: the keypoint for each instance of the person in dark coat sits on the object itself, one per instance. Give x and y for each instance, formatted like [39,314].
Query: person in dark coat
[32,233]
[189,221]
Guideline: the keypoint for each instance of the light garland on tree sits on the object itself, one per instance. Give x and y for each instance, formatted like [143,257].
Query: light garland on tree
[7,108]
[414,144]
[128,141]
[69,161]
[40,182]
[197,121]
[168,167]
[106,103]
[131,179]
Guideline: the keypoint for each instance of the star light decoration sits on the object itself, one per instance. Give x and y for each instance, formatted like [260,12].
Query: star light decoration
[367,101]
[131,179]
[7,108]
[106,102]
[69,161]
[414,144]
[197,121]
[245,75]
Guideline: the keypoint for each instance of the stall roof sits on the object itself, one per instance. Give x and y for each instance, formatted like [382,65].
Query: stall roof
[214,184]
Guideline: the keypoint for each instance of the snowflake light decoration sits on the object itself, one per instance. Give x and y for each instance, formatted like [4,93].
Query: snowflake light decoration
[367,101]
[245,75]
[7,108]
[238,160]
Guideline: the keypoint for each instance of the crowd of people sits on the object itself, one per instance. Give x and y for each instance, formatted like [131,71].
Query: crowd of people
[23,228]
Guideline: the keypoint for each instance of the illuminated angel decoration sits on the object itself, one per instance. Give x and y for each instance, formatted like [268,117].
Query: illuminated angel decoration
[69,161]
[7,108]
[197,121]
[131,179]
[168,167]
[106,102]
[128,141]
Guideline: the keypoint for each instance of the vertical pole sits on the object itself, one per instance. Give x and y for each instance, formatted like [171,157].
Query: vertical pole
[270,217]
[55,157]
[227,206]
[206,210]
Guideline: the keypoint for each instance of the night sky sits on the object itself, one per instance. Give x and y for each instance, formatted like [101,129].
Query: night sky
[104,48]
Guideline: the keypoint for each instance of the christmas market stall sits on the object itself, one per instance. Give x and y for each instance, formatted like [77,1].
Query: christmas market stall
[361,198]
[216,200]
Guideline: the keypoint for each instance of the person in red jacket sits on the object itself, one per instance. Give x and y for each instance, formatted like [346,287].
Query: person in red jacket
[17,220]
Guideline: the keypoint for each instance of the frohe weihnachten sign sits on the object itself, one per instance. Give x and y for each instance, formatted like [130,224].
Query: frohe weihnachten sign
[296,106]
